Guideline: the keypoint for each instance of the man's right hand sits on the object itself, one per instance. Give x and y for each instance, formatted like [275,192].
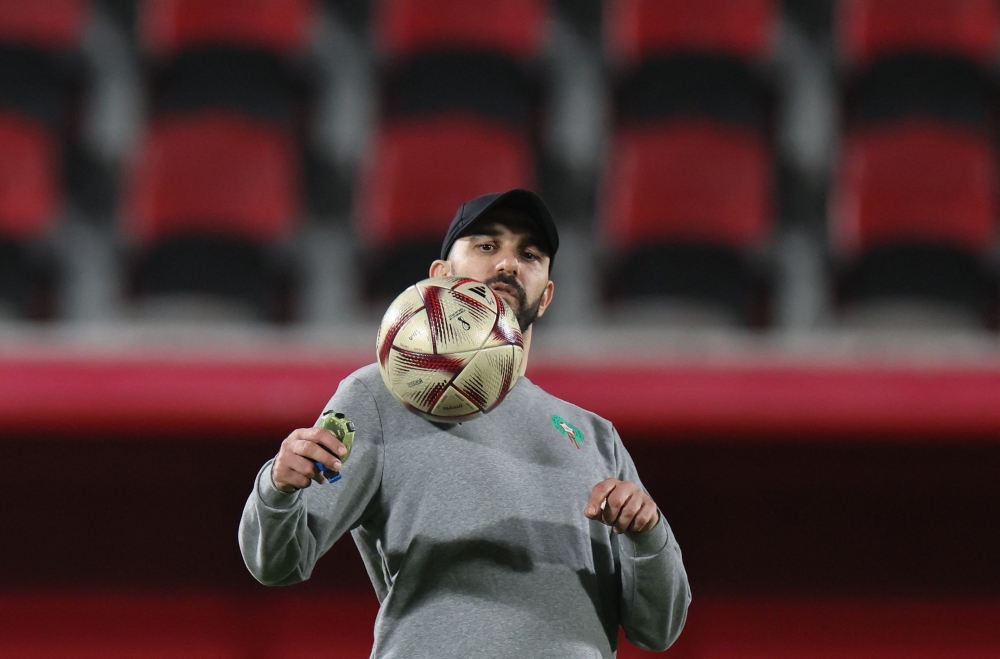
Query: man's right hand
[295,468]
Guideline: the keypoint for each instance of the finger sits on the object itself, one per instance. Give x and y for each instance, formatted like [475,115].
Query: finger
[598,495]
[628,513]
[286,465]
[284,476]
[327,439]
[617,500]
[316,453]
[647,518]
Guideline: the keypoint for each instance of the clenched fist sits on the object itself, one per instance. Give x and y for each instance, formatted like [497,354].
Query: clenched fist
[295,468]
[622,506]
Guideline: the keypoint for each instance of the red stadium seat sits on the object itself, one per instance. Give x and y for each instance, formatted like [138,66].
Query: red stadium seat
[167,26]
[512,27]
[29,178]
[637,29]
[212,200]
[49,24]
[685,204]
[420,172]
[688,181]
[869,28]
[213,174]
[917,181]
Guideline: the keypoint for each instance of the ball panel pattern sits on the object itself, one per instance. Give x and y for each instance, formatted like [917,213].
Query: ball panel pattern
[488,375]
[457,322]
[454,405]
[419,379]
[415,334]
[399,312]
[506,330]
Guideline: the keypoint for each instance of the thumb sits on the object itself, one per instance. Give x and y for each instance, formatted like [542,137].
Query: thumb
[598,496]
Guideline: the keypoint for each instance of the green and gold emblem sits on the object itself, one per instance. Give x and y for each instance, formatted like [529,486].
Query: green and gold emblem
[566,428]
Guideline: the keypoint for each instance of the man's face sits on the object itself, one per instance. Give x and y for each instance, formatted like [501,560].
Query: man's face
[504,250]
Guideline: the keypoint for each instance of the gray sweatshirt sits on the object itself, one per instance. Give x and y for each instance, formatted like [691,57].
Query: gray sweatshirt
[473,534]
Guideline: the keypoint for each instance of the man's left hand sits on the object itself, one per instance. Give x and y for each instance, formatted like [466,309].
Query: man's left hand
[627,508]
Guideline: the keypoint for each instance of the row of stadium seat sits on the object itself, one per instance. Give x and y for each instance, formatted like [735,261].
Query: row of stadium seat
[866,28]
[688,194]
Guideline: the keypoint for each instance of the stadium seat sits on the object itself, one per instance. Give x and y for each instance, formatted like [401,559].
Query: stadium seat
[281,26]
[45,24]
[714,86]
[487,84]
[692,181]
[478,58]
[37,83]
[29,178]
[511,27]
[250,81]
[224,54]
[947,87]
[916,181]
[209,198]
[29,202]
[638,29]
[913,211]
[680,60]
[36,72]
[419,172]
[684,203]
[872,28]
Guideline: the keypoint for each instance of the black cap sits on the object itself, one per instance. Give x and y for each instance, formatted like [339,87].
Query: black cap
[525,201]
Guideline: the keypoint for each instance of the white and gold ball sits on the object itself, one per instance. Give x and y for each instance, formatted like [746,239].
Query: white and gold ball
[449,349]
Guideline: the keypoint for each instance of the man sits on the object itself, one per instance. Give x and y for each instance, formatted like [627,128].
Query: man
[497,537]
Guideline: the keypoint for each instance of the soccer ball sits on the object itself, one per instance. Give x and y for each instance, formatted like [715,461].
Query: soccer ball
[449,349]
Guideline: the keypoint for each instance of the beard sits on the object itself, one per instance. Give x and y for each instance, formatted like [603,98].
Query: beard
[525,312]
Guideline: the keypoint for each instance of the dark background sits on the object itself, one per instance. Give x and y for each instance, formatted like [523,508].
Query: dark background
[847,518]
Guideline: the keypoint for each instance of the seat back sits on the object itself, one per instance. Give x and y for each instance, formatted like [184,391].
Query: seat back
[166,26]
[512,27]
[47,24]
[29,178]
[919,181]
[688,181]
[421,171]
[212,174]
[637,29]
[870,28]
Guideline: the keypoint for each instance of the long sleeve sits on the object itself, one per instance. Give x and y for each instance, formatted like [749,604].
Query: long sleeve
[283,535]
[655,590]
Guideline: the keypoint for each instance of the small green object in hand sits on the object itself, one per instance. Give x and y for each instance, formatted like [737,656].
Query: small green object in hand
[343,429]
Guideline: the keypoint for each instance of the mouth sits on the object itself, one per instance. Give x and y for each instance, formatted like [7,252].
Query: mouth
[505,290]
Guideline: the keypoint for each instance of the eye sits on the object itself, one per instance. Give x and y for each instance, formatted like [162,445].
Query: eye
[486,247]
[531,256]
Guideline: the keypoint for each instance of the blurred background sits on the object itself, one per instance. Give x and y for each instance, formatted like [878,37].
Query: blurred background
[778,278]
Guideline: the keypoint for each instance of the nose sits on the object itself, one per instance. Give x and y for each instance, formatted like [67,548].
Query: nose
[508,262]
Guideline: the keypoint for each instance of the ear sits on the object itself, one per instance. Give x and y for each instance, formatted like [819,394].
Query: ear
[440,269]
[550,290]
